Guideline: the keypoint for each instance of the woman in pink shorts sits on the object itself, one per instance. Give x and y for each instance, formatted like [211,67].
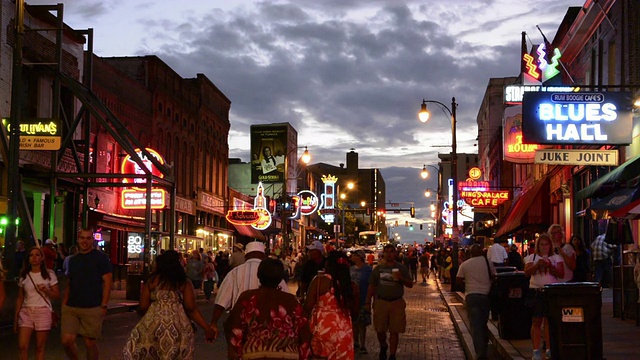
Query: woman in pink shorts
[37,286]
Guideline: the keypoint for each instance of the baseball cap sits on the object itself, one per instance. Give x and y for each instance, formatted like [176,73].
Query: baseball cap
[49,242]
[239,246]
[361,254]
[316,245]
[255,246]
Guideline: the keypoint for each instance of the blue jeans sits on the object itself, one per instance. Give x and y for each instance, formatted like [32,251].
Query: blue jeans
[478,312]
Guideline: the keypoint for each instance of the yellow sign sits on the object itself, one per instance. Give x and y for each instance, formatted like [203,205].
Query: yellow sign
[475,173]
[572,314]
[40,142]
[37,133]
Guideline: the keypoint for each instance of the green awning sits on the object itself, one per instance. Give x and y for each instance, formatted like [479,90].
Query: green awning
[620,175]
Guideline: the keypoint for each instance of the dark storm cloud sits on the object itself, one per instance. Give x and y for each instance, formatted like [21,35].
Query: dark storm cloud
[366,80]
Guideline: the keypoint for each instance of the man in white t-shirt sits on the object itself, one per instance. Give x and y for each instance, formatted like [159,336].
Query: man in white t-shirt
[497,254]
[476,274]
[239,279]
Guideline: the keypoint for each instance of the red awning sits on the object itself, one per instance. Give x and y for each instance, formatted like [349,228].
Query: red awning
[248,231]
[530,204]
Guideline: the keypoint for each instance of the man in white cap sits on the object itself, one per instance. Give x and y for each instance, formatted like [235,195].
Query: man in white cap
[241,278]
[50,254]
[311,267]
[237,258]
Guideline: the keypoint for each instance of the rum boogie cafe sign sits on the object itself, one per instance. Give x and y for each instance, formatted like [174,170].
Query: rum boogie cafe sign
[585,118]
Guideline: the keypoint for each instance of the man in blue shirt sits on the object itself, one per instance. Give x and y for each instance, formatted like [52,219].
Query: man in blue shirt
[85,300]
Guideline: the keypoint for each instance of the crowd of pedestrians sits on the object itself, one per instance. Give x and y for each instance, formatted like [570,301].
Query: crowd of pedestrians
[339,295]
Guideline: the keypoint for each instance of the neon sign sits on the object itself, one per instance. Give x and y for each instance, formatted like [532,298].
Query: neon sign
[577,118]
[308,202]
[486,198]
[136,197]
[541,70]
[327,208]
[258,218]
[260,207]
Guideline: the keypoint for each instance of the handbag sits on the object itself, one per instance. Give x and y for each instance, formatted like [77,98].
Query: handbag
[55,318]
[494,295]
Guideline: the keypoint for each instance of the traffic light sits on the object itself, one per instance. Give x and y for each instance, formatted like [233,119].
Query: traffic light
[406,223]
[413,212]
[410,227]
[396,223]
[420,226]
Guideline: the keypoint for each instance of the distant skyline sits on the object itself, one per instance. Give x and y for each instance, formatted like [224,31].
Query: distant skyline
[345,73]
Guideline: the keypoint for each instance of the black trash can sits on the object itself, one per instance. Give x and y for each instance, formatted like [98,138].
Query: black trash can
[504,269]
[514,318]
[134,286]
[494,302]
[575,320]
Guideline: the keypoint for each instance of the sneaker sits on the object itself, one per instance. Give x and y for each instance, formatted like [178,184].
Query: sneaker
[383,353]
[392,357]
[547,354]
[363,350]
[537,355]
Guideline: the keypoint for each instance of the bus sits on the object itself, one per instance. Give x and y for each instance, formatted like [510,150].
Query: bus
[369,240]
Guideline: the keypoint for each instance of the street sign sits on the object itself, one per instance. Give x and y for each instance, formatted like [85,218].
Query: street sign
[395,204]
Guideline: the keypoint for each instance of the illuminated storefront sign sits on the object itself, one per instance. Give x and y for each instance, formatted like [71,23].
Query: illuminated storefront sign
[258,218]
[308,202]
[327,208]
[577,157]
[513,94]
[37,133]
[465,212]
[136,197]
[577,118]
[479,193]
[135,244]
[487,198]
[514,149]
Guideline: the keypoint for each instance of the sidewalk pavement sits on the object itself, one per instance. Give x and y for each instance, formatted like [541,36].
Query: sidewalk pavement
[618,336]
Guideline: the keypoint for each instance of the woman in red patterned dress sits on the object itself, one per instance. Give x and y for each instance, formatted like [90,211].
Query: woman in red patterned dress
[332,301]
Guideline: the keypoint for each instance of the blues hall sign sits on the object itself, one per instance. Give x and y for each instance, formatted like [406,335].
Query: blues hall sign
[585,118]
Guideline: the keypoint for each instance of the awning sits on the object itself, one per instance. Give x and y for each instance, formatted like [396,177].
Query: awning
[620,202]
[248,231]
[530,204]
[614,179]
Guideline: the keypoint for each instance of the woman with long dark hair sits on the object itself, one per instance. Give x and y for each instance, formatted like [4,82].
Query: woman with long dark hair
[583,260]
[332,301]
[169,305]
[37,285]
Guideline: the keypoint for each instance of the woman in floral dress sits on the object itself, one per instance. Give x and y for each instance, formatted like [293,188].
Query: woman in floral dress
[332,301]
[168,301]
[267,323]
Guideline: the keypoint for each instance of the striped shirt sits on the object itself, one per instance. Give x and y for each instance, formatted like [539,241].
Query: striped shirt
[241,278]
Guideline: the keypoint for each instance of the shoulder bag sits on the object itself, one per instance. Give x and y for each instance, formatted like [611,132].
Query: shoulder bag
[493,291]
[55,318]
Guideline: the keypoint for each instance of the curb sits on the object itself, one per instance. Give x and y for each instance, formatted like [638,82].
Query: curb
[503,347]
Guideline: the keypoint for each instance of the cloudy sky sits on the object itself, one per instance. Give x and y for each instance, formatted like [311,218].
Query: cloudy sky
[345,73]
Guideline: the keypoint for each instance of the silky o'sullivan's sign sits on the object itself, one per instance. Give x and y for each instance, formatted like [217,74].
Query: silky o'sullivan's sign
[37,134]
[585,118]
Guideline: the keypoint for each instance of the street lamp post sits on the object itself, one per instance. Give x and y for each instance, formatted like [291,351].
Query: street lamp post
[425,174]
[284,216]
[423,115]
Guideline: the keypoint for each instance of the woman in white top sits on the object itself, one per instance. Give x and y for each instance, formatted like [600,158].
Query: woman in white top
[37,286]
[544,267]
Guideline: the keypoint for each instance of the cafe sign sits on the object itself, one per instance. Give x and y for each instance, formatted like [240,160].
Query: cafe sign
[581,118]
